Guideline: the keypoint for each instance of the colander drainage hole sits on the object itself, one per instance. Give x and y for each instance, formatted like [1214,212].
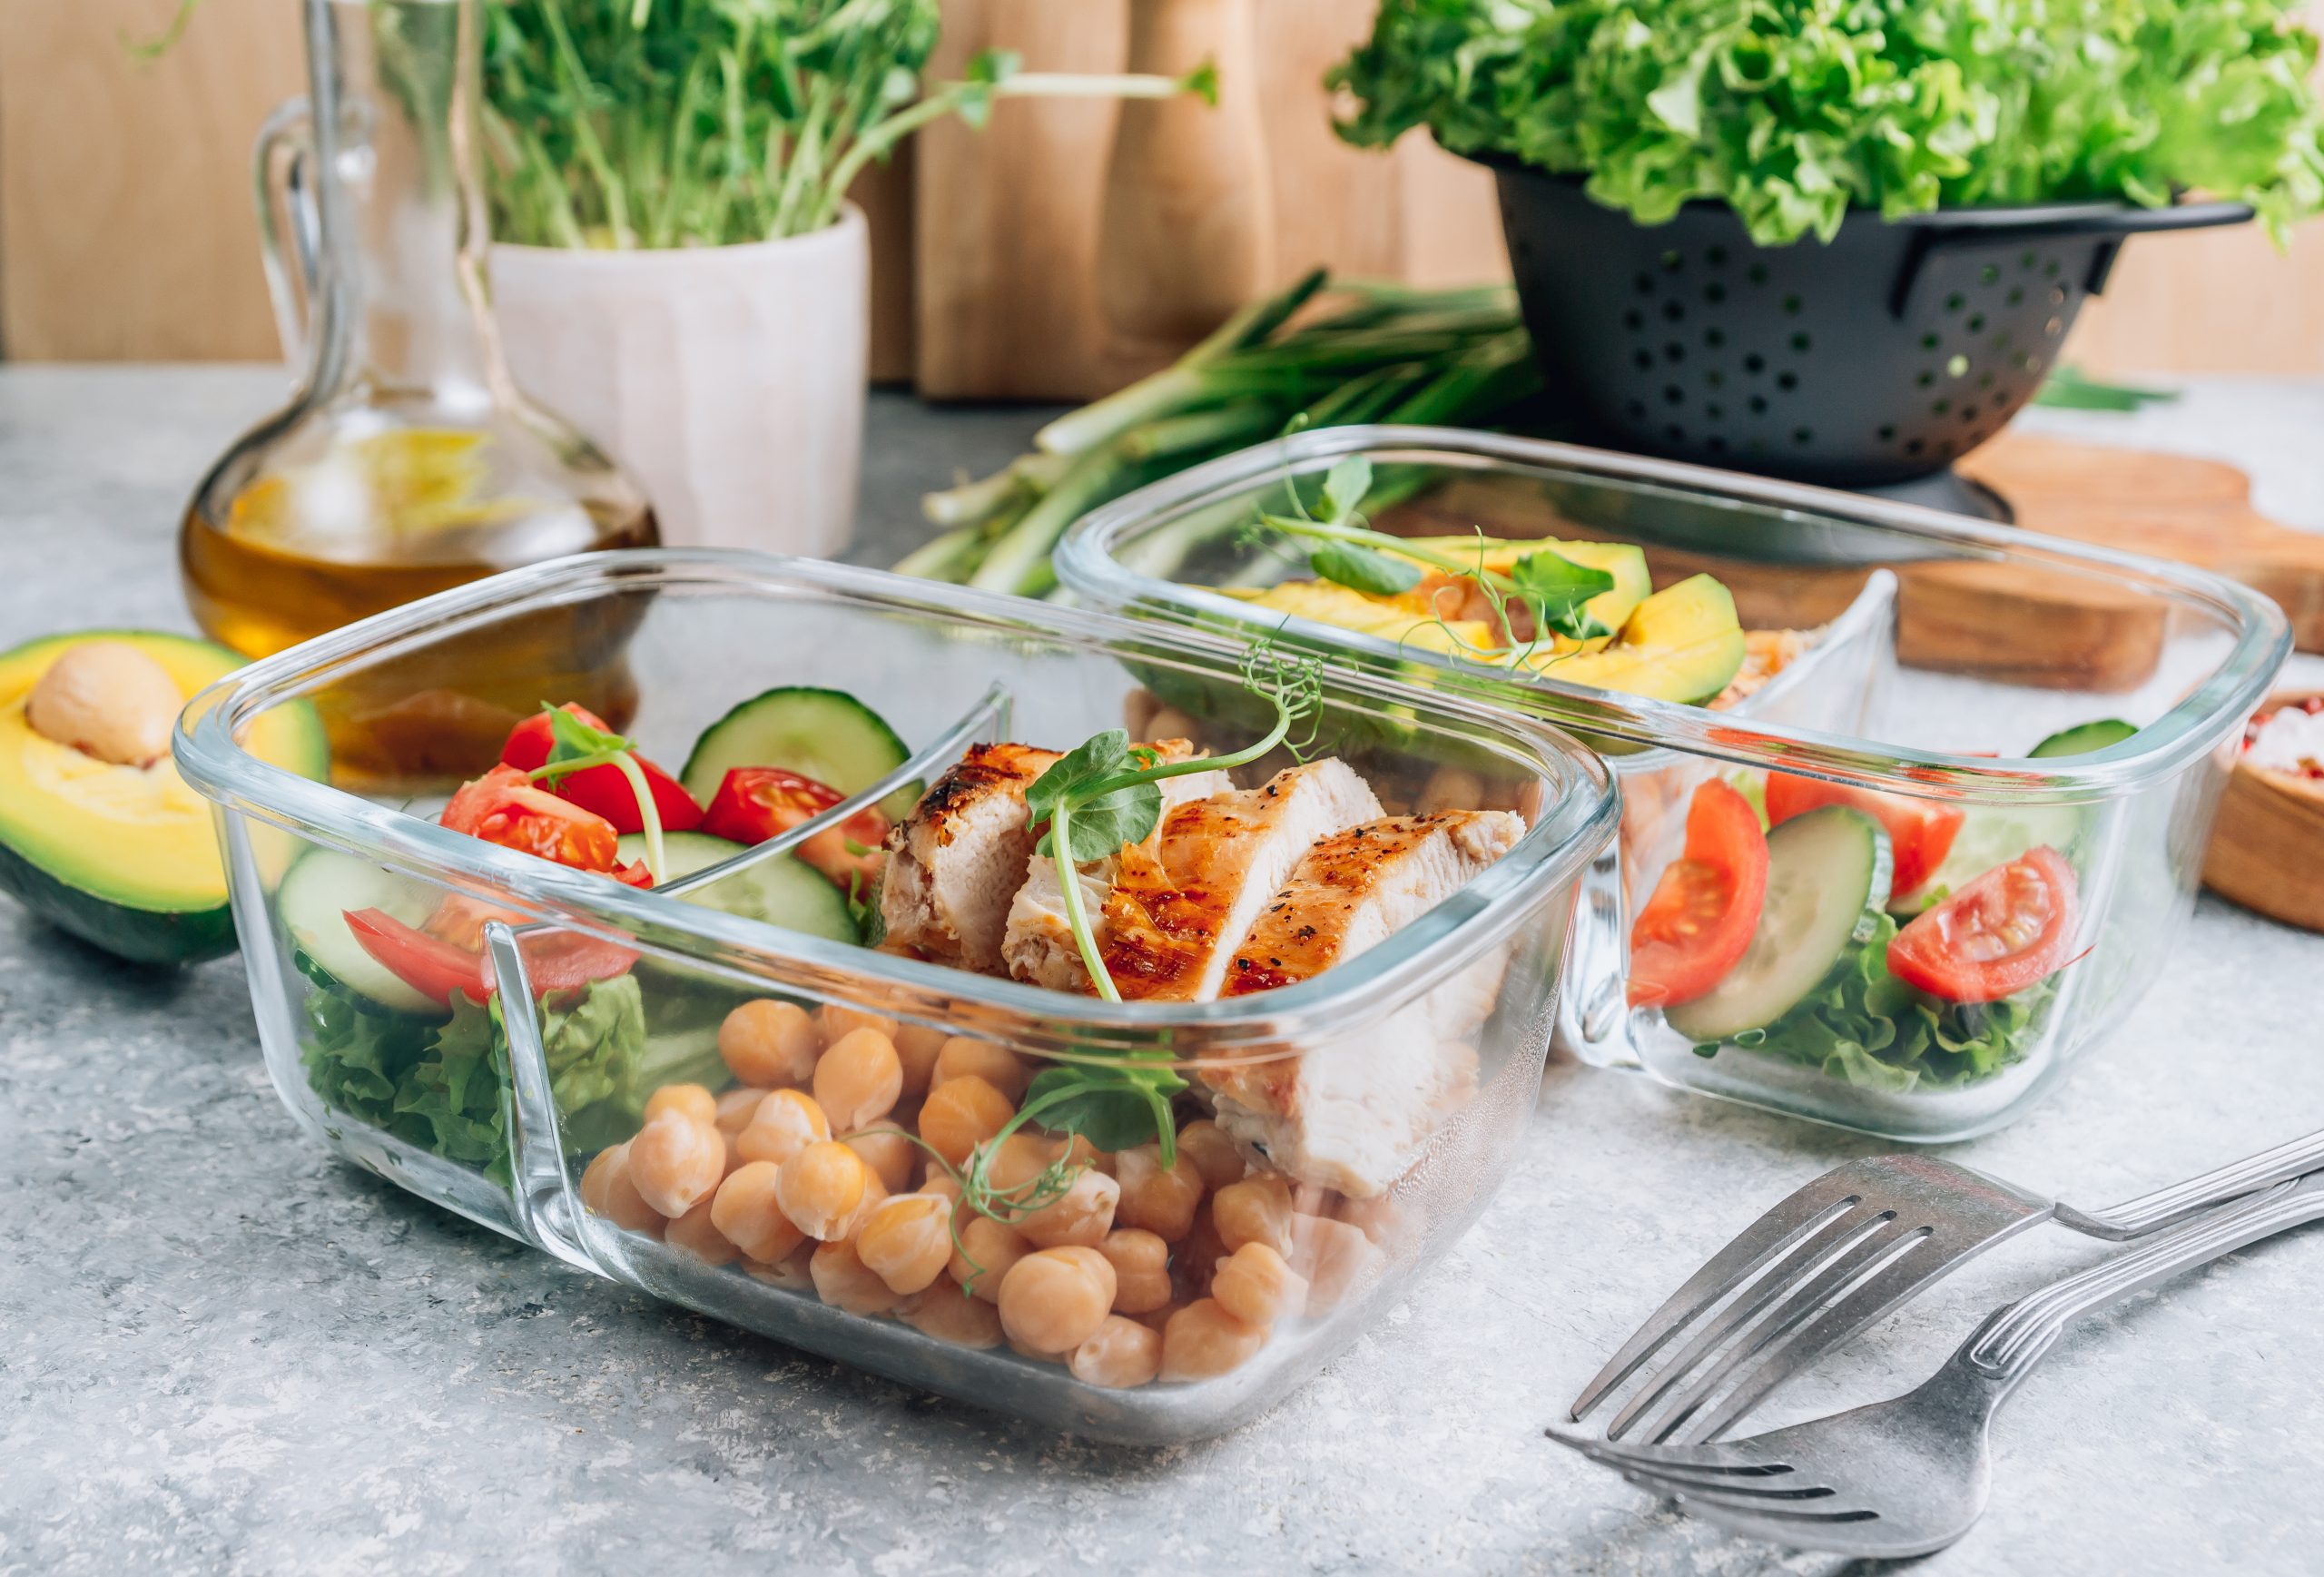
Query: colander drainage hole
[1645,284]
[1759,273]
[1803,436]
[1715,338]
[1913,446]
[1676,434]
[1642,359]
[1675,311]
[1714,412]
[1955,302]
[1754,364]
[1715,377]
[1759,403]
[1800,342]
[1637,408]
[1672,262]
[1674,352]
[1887,432]
[1633,319]
[1674,395]
[1988,274]
[1716,444]
[1787,381]
[1977,324]
[1956,365]
[1929,341]
[1716,256]
[1791,305]
[2016,297]
[1714,292]
[1925,378]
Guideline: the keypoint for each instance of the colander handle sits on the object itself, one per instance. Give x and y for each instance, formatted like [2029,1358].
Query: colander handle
[1972,232]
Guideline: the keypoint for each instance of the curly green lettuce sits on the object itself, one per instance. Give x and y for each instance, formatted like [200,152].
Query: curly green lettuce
[1793,111]
[1866,1027]
[438,1087]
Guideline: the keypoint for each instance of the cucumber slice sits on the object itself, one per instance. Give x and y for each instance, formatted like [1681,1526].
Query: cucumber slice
[826,734]
[2084,738]
[1827,877]
[313,900]
[783,891]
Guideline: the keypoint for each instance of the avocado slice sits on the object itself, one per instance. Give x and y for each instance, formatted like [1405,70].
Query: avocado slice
[1625,563]
[1682,644]
[126,858]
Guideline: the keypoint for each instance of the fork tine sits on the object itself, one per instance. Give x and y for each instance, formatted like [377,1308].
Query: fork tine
[1807,1208]
[1741,1457]
[1754,1494]
[1833,1256]
[1788,1350]
[1769,1516]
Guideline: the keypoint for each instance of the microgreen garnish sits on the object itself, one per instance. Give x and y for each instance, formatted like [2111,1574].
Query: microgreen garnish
[1552,590]
[1102,794]
[576,745]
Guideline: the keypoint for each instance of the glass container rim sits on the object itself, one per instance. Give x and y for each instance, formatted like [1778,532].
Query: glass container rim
[1569,833]
[1087,565]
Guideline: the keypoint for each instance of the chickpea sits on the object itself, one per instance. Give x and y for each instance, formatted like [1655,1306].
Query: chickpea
[608,1190]
[961,1116]
[1378,1220]
[917,1046]
[691,1101]
[907,1241]
[1078,1152]
[697,1232]
[938,1184]
[858,1080]
[1162,1202]
[1203,1341]
[843,1281]
[836,1023]
[1158,1320]
[1169,723]
[949,1314]
[792,1272]
[1334,1257]
[786,1123]
[888,1151]
[1054,1299]
[996,1065]
[1119,1353]
[1257,1287]
[1138,708]
[987,1254]
[1215,1155]
[1081,1215]
[1194,1259]
[821,1190]
[737,1105]
[1015,1161]
[1255,1210]
[767,1043]
[676,1163]
[746,1210]
[1141,1263]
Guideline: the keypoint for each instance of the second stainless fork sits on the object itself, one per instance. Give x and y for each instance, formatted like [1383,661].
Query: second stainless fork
[1841,1252]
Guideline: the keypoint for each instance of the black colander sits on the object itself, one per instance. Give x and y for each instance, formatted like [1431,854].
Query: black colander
[1879,357]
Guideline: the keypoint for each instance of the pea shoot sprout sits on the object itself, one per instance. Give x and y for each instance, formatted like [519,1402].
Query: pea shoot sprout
[575,746]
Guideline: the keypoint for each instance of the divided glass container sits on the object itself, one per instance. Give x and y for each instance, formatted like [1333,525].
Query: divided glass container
[496,1113]
[1941,653]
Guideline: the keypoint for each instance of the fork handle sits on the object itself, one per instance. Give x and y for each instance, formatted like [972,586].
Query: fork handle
[2008,1345]
[2164,1207]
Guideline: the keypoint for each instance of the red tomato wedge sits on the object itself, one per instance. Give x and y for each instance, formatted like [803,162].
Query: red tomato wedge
[2007,930]
[436,968]
[1704,908]
[1920,832]
[501,807]
[756,802]
[602,790]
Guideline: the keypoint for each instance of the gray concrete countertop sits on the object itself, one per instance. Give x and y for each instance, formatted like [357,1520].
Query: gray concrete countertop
[225,1351]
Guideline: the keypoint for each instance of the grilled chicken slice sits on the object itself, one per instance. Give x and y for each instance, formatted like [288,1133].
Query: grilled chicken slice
[1354,1114]
[1182,902]
[1039,946]
[956,861]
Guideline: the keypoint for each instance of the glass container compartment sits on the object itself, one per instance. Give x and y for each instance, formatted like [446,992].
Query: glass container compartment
[1945,651]
[946,668]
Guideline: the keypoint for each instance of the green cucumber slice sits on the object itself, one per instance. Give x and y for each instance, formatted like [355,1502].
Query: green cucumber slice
[2083,738]
[825,735]
[781,891]
[313,900]
[1827,877]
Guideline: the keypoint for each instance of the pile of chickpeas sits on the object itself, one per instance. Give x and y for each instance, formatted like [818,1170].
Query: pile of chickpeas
[806,1174]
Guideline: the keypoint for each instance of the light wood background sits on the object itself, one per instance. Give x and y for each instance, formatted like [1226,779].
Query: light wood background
[125,229]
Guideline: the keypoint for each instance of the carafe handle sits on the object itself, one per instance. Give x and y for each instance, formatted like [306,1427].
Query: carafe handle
[281,177]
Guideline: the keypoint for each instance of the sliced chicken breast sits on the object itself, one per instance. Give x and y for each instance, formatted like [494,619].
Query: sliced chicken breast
[1182,902]
[1354,1115]
[1038,944]
[956,861]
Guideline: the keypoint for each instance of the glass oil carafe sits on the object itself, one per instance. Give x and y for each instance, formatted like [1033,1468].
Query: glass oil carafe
[407,461]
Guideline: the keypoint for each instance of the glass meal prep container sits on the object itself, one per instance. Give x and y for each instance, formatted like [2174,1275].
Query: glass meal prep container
[2017,743]
[499,1114]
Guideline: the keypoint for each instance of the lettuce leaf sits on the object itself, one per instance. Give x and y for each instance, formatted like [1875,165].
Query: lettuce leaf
[439,1086]
[1866,1027]
[1794,111]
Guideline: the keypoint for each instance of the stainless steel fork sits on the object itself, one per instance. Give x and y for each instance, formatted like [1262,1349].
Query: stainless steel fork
[1912,1475]
[1841,1252]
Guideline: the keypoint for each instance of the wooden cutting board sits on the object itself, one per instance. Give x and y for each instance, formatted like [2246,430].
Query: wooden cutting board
[2012,622]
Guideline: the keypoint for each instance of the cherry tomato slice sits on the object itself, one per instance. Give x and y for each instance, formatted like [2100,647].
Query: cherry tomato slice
[756,802]
[1707,904]
[602,790]
[2007,930]
[436,968]
[501,807]
[1920,832]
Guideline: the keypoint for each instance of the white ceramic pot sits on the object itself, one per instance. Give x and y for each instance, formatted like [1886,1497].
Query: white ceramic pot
[729,380]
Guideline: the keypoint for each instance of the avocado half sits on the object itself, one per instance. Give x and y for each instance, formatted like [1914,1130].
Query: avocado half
[126,858]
